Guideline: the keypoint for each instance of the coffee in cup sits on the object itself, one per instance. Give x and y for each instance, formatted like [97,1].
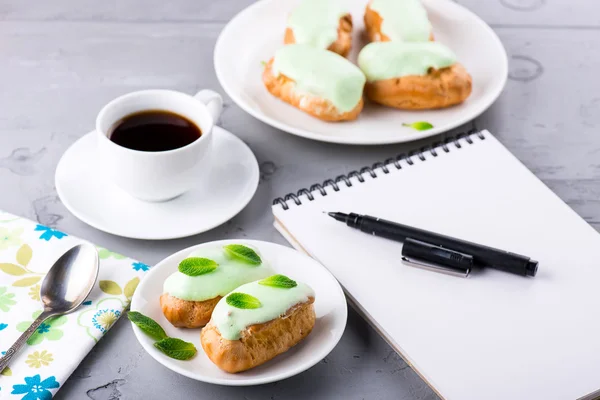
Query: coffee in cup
[154,130]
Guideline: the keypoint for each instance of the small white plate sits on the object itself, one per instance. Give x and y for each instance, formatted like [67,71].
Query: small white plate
[476,45]
[98,202]
[330,307]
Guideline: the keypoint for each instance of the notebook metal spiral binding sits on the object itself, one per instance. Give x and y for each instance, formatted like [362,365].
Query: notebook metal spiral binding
[383,166]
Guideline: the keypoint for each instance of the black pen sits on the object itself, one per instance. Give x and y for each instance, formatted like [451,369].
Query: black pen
[433,250]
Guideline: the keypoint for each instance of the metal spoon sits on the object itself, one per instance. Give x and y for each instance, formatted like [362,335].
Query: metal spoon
[65,287]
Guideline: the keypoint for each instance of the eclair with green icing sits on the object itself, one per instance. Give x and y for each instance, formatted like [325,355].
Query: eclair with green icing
[325,24]
[317,81]
[413,76]
[257,322]
[397,20]
[204,277]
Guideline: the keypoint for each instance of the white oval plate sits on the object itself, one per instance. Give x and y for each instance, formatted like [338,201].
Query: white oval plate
[254,34]
[93,199]
[330,307]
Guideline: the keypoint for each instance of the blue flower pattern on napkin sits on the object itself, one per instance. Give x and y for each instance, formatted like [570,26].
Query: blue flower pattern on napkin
[3,326]
[49,233]
[138,266]
[35,388]
[43,328]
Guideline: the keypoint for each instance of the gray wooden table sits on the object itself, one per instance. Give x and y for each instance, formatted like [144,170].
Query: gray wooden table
[61,60]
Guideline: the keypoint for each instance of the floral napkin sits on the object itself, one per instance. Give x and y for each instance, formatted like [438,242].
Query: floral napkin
[27,251]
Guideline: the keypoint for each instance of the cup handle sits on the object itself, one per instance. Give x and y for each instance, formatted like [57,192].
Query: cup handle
[213,101]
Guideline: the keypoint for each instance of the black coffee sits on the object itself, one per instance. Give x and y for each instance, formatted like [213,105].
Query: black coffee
[154,130]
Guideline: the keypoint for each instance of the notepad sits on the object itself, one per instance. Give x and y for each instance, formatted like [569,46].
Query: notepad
[494,335]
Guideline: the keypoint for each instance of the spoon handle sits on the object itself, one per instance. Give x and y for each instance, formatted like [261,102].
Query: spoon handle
[23,339]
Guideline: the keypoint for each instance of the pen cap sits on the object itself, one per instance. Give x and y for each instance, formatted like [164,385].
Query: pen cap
[437,256]
[531,268]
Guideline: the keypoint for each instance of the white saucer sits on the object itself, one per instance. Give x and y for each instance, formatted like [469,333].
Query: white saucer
[330,307]
[474,42]
[97,202]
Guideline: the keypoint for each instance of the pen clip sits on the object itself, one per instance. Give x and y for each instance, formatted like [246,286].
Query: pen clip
[436,258]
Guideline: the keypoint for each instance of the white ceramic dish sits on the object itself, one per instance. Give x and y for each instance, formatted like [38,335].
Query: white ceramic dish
[98,202]
[330,307]
[242,47]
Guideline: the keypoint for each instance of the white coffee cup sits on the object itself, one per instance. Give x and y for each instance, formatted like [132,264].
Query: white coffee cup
[158,175]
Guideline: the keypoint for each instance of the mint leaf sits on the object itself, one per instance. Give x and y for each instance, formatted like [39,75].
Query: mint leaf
[243,301]
[420,126]
[243,253]
[263,63]
[195,266]
[176,348]
[172,347]
[280,281]
[149,326]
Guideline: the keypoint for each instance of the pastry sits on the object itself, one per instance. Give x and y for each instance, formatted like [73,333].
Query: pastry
[413,76]
[397,20]
[318,82]
[325,24]
[258,322]
[190,294]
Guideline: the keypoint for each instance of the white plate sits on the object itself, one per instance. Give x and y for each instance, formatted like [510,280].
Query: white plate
[96,201]
[255,33]
[330,307]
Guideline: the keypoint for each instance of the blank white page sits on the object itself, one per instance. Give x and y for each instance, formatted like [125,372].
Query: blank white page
[494,335]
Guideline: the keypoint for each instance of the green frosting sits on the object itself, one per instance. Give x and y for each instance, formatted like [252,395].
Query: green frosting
[321,73]
[231,321]
[387,60]
[315,22]
[404,20]
[229,275]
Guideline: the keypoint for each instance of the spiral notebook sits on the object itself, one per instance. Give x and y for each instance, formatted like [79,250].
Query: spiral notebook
[494,335]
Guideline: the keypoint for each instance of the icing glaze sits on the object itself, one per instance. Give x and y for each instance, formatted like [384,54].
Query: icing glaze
[231,321]
[404,20]
[315,22]
[321,73]
[230,274]
[387,60]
